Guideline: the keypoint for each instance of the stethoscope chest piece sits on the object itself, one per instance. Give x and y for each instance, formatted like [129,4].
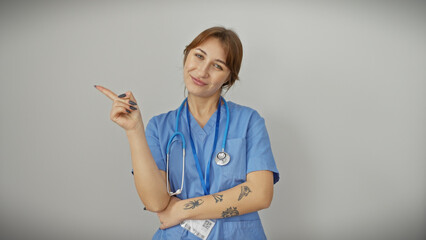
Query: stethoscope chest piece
[222,158]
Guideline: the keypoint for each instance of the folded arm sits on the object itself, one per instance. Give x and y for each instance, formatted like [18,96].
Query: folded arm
[253,195]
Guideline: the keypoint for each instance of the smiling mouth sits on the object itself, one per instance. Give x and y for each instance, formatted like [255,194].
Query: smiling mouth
[198,82]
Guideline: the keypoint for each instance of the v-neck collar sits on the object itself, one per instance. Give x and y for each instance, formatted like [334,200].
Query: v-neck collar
[207,127]
[197,130]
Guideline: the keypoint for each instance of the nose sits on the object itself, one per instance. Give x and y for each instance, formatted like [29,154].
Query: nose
[203,69]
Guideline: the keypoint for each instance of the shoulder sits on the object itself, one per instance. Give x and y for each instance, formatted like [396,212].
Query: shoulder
[162,119]
[244,121]
[164,116]
[242,111]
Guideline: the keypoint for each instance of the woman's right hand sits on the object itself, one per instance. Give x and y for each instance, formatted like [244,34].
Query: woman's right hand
[124,110]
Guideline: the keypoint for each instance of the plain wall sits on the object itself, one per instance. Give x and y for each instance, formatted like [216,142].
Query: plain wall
[341,85]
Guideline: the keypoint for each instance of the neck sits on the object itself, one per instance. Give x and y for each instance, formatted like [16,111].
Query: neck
[203,108]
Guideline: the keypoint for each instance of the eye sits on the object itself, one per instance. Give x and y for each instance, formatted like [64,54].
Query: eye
[218,66]
[198,56]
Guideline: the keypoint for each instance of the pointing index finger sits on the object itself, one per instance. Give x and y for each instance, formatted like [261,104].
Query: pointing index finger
[110,94]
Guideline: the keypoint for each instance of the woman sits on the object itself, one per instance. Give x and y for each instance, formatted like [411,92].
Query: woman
[229,169]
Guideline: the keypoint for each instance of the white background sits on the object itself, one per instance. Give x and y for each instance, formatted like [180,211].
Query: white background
[341,85]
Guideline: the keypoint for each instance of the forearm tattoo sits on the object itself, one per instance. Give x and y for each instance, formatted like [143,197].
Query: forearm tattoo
[217,197]
[244,192]
[230,212]
[193,204]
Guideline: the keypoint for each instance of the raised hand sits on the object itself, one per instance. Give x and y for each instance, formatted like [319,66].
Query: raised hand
[124,109]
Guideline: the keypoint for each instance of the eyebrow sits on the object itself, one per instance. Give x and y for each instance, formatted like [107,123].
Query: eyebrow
[215,59]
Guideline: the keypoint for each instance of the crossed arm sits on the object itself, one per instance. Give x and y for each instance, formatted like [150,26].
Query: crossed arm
[253,195]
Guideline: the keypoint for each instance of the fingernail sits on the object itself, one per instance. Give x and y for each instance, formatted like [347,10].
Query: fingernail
[95,86]
[144,208]
[131,102]
[133,108]
[128,111]
[122,95]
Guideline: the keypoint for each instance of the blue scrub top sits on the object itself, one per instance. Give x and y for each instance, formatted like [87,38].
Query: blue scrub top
[250,150]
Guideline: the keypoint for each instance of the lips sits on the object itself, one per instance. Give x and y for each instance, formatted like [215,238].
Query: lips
[198,81]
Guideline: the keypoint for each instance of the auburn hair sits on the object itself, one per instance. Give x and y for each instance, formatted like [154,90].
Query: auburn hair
[231,44]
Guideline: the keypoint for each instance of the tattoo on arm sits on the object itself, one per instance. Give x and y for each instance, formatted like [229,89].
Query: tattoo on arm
[193,204]
[244,192]
[217,197]
[230,212]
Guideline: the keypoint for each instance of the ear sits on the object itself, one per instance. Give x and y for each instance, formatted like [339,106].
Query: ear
[228,80]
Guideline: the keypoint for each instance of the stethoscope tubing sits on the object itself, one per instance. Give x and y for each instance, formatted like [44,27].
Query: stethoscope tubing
[206,181]
[183,162]
[225,136]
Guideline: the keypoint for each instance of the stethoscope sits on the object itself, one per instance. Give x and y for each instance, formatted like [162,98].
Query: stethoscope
[222,158]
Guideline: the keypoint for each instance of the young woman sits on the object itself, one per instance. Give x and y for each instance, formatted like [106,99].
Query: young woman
[207,167]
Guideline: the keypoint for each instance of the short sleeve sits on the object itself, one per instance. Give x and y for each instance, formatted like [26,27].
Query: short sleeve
[151,133]
[259,152]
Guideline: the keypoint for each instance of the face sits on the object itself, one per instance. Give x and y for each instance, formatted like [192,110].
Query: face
[205,70]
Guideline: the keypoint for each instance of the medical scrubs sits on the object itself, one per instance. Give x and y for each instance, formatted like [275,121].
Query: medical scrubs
[248,145]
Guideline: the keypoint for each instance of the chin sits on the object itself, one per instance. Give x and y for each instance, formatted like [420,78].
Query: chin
[197,93]
[202,94]
[195,90]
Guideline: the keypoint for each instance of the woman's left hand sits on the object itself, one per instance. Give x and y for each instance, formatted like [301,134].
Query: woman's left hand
[172,215]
